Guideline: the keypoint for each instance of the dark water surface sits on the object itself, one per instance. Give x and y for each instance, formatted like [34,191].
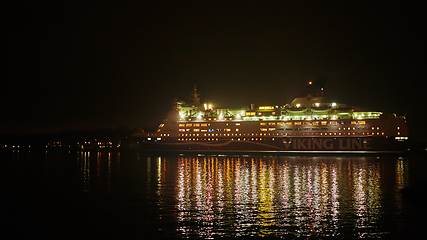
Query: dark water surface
[137,196]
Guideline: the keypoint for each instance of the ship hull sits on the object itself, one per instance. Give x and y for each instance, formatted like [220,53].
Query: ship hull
[328,145]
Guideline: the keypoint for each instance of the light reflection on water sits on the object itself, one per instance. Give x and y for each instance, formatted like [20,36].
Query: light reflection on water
[220,196]
[321,196]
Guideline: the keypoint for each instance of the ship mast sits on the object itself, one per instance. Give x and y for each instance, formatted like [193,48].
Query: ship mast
[194,96]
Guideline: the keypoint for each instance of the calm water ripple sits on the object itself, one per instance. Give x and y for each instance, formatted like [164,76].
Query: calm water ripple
[117,194]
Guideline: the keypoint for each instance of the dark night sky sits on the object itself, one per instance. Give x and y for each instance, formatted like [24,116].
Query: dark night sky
[98,64]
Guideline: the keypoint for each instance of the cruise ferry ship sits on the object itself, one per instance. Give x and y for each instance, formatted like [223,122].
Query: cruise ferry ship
[308,124]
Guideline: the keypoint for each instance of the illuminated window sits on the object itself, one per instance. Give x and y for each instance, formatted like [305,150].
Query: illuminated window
[361,122]
[263,124]
[182,130]
[316,123]
[263,129]
[204,125]
[204,130]
[271,129]
[288,123]
[353,122]
[237,124]
[297,123]
[196,125]
[181,125]
[272,123]
[237,129]
[324,122]
[196,130]
[188,125]
[266,108]
[307,123]
[280,123]
[333,122]
[227,129]
[187,129]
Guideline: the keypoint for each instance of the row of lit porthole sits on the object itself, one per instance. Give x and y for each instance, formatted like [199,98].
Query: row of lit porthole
[277,134]
[339,134]
[226,134]
[373,128]
[332,134]
[216,139]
